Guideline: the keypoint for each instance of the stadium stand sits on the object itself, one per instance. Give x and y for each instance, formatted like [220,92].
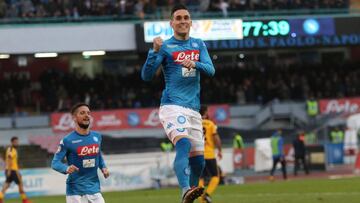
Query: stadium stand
[58,91]
[76,10]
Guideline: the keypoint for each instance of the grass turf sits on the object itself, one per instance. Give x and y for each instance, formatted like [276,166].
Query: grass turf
[292,191]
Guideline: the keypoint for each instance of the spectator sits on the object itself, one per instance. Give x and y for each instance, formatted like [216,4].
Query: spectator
[223,7]
[139,9]
[277,146]
[3,8]
[300,153]
[204,5]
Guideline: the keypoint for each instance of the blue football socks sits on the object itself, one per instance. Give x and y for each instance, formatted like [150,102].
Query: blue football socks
[197,164]
[181,163]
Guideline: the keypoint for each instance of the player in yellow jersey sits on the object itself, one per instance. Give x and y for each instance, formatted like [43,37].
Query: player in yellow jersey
[212,142]
[12,171]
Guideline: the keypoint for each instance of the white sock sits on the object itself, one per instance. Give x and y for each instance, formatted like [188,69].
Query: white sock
[184,190]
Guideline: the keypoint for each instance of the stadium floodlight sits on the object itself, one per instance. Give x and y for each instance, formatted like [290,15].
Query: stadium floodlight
[4,56]
[93,53]
[45,55]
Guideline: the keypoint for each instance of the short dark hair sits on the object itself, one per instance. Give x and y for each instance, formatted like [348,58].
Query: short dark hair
[203,109]
[14,138]
[178,7]
[76,106]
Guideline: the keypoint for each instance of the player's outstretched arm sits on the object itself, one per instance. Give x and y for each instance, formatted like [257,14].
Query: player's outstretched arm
[153,61]
[102,164]
[56,163]
[217,141]
[205,64]
[8,162]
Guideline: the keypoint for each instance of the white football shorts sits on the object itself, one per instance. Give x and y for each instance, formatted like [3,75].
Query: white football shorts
[178,121]
[95,198]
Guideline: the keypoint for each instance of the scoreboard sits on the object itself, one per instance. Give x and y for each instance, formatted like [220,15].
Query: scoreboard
[291,27]
[277,32]
[266,28]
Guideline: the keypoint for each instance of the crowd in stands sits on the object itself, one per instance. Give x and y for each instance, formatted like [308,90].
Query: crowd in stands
[76,9]
[296,82]
[56,91]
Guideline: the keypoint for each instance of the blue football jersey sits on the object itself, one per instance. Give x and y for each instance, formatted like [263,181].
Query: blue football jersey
[182,86]
[83,151]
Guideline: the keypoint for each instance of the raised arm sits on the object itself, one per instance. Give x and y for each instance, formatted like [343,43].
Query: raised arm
[153,61]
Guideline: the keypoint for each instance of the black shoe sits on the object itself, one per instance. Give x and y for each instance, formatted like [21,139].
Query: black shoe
[206,197]
[192,194]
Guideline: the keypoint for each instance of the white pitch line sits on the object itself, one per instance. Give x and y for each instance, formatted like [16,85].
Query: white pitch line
[295,194]
[262,195]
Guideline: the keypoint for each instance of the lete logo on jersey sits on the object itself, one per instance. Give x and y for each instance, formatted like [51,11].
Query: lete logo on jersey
[88,150]
[180,56]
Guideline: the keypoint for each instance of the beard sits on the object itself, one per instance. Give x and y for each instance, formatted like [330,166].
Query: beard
[84,126]
[182,34]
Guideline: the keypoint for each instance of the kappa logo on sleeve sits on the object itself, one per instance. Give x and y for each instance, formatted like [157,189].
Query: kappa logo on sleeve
[58,149]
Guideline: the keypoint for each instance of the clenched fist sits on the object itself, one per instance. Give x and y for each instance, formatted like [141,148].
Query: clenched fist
[189,64]
[157,43]
[105,172]
[71,169]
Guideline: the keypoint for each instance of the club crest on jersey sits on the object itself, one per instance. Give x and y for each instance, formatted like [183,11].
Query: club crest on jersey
[187,171]
[95,139]
[195,45]
[180,56]
[88,150]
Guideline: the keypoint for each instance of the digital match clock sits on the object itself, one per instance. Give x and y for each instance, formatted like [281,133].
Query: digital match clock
[271,28]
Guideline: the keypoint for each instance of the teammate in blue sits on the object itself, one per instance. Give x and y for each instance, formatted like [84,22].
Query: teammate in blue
[82,149]
[183,58]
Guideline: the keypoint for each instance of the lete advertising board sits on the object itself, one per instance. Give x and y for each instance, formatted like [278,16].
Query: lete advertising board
[345,105]
[122,119]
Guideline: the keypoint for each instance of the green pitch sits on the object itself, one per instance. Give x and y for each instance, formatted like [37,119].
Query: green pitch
[292,191]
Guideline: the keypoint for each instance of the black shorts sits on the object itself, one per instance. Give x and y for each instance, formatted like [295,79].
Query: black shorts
[14,176]
[211,168]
